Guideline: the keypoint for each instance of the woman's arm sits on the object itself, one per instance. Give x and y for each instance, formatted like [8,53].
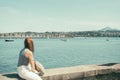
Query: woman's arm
[30,56]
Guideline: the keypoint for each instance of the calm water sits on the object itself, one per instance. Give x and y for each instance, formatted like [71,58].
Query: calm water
[53,53]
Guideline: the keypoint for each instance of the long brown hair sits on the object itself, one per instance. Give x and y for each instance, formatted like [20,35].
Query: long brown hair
[28,43]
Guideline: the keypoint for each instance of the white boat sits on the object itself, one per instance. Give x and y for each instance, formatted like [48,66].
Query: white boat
[107,39]
[64,40]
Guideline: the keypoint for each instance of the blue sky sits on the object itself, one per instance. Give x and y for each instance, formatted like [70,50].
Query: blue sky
[58,15]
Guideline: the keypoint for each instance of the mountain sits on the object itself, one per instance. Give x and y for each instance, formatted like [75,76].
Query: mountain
[109,29]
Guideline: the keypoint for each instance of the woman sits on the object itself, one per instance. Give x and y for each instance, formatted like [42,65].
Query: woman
[26,66]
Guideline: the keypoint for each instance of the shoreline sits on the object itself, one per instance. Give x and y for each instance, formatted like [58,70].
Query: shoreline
[72,73]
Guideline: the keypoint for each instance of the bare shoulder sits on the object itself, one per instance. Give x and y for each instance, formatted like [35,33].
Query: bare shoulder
[28,53]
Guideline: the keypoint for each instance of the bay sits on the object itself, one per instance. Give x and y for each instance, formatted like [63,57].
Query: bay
[55,53]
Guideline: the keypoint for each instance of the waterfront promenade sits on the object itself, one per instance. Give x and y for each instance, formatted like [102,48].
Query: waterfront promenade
[71,73]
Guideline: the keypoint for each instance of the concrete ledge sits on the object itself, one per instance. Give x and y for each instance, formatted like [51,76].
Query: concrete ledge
[71,73]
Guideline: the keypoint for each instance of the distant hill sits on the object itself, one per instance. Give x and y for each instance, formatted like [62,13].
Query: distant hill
[109,29]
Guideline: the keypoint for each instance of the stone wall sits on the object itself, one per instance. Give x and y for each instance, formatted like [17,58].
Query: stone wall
[71,73]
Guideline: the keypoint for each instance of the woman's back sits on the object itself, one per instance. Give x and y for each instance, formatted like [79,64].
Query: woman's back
[22,58]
